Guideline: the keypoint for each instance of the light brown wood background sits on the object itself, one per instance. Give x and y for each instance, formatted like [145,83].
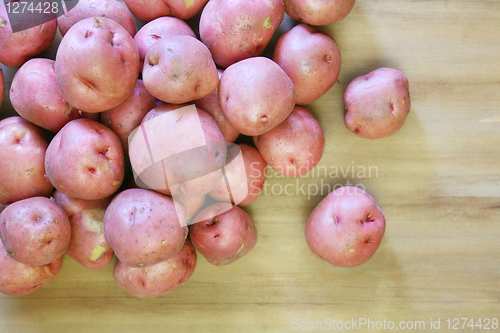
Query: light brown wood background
[437,181]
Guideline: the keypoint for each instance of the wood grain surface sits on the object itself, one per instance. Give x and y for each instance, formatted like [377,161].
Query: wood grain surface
[437,181]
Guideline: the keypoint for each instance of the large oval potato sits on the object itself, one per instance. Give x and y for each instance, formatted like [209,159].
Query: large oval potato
[255,95]
[318,12]
[97,64]
[148,10]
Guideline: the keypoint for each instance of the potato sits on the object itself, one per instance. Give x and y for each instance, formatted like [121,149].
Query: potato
[295,146]
[22,158]
[179,69]
[223,238]
[256,95]
[143,227]
[245,183]
[110,9]
[235,30]
[19,47]
[210,104]
[124,118]
[85,160]
[376,104]
[318,12]
[2,86]
[97,64]
[18,279]
[34,231]
[311,59]
[36,96]
[159,28]
[87,245]
[346,228]
[159,279]
[148,10]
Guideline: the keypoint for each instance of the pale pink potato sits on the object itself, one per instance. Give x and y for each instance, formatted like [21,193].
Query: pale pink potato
[85,160]
[2,86]
[256,95]
[234,30]
[148,10]
[245,183]
[157,29]
[159,279]
[318,12]
[179,69]
[19,47]
[34,231]
[295,146]
[223,238]
[110,9]
[18,279]
[346,228]
[376,104]
[210,104]
[143,227]
[36,96]
[124,118]
[22,177]
[191,205]
[97,64]
[311,59]
[87,245]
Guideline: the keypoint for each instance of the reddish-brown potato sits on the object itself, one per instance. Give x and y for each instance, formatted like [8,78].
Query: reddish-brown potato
[85,160]
[295,146]
[35,231]
[148,10]
[346,228]
[318,12]
[22,158]
[159,279]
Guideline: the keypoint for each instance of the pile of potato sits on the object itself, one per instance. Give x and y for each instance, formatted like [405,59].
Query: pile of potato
[114,99]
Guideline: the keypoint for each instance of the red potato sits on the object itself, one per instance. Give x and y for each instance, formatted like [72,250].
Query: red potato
[346,228]
[256,95]
[295,146]
[159,279]
[245,183]
[97,65]
[2,85]
[110,9]
[179,69]
[124,118]
[143,227]
[22,177]
[85,160]
[148,10]
[19,47]
[311,59]
[223,238]
[376,104]
[35,231]
[235,30]
[18,279]
[87,245]
[318,12]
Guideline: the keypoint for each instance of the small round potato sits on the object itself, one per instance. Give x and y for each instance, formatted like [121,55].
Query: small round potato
[35,231]
[376,104]
[318,12]
[256,95]
[148,10]
[295,146]
[346,228]
[85,160]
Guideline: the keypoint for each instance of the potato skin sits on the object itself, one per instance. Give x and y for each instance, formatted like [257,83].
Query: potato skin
[346,228]
[143,227]
[2,86]
[159,279]
[377,104]
[87,245]
[21,177]
[256,95]
[311,59]
[97,64]
[85,160]
[318,12]
[148,10]
[18,279]
[223,238]
[234,30]
[34,231]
